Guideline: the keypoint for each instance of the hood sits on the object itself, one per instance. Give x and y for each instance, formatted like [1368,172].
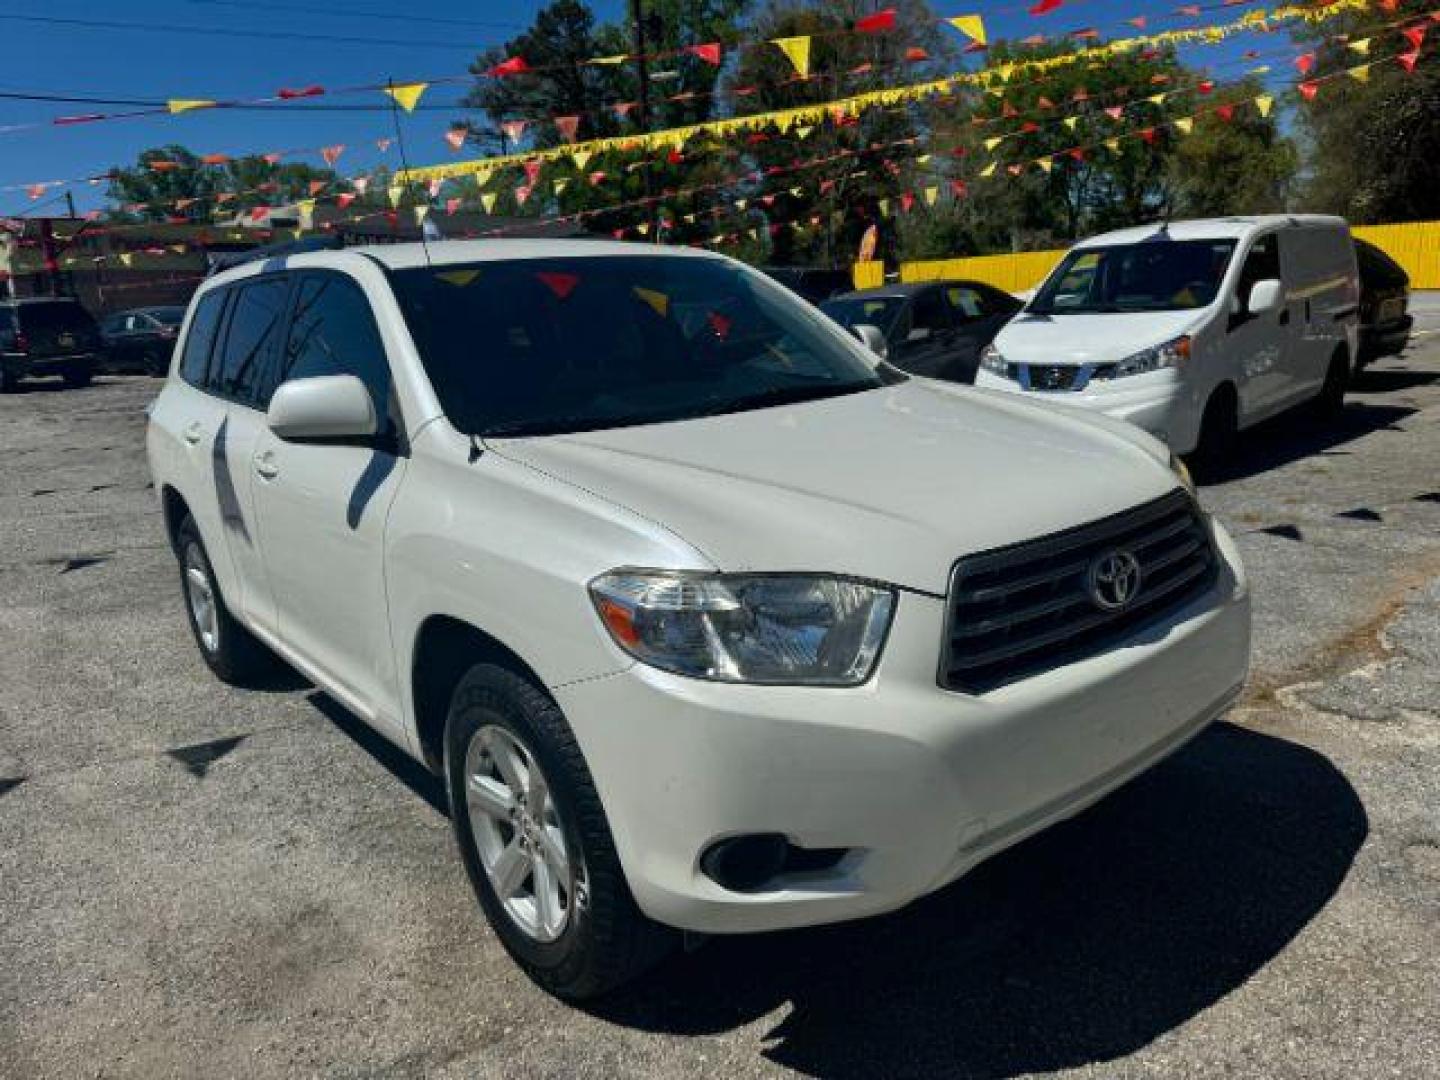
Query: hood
[892,484]
[1092,338]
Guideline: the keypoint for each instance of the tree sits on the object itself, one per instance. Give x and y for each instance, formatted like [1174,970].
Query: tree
[172,182]
[1242,165]
[1373,147]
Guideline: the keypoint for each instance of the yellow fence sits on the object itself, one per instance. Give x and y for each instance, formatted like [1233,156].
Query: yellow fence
[1414,245]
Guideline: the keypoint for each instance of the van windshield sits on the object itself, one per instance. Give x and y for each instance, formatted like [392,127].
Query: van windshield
[545,346]
[1152,275]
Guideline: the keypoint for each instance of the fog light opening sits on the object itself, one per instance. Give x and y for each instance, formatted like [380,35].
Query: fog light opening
[749,863]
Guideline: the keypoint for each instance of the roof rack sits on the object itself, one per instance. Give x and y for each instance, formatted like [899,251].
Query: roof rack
[219,263]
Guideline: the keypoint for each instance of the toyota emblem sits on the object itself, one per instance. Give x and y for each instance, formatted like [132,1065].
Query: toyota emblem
[1113,580]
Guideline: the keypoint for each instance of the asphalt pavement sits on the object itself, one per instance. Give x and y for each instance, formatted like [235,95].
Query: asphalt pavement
[196,880]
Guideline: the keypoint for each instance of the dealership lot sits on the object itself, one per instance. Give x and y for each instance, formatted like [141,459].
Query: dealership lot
[197,878]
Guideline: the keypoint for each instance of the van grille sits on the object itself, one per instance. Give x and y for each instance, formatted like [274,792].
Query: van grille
[1023,609]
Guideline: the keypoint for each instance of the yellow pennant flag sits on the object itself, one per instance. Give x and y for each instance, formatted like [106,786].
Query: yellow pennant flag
[1263,69]
[972,26]
[560,186]
[487,200]
[609,61]
[1362,46]
[1045,164]
[884,207]
[1184,124]
[1263,103]
[1113,145]
[643,228]
[127,259]
[1156,99]
[988,170]
[931,194]
[458,278]
[1071,121]
[924,159]
[804,132]
[305,210]
[581,158]
[994,141]
[797,49]
[1361,73]
[179,105]
[740,204]
[407,95]
[421,213]
[396,192]
[657,300]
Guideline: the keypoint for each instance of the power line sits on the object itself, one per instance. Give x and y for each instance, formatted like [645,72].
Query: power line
[156,103]
[352,13]
[263,35]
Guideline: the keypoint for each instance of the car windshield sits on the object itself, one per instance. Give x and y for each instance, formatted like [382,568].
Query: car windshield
[167,316]
[1153,275]
[544,346]
[852,311]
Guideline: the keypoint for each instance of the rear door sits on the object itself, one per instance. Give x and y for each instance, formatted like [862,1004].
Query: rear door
[57,329]
[322,505]
[925,342]
[1320,276]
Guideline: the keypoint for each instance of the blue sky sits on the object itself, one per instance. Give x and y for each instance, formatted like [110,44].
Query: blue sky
[151,63]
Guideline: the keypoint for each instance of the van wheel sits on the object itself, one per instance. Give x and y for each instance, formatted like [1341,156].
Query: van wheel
[1330,402]
[535,841]
[228,649]
[1219,426]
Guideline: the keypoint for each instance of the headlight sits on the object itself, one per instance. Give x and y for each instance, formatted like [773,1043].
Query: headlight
[992,361]
[1179,468]
[1172,354]
[747,628]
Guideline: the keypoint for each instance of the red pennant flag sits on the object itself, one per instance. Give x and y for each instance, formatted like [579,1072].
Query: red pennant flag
[877,23]
[618,234]
[1205,86]
[514,129]
[768,200]
[1193,10]
[1407,60]
[344,199]
[516,65]
[84,118]
[1087,34]
[623,109]
[597,178]
[674,157]
[914,54]
[317,186]
[907,200]
[1225,112]
[532,170]
[561,284]
[1414,34]
[1304,62]
[214,159]
[958,189]
[1308,89]
[272,158]
[1045,102]
[568,126]
[1029,126]
[974,47]
[1077,152]
[456,138]
[1008,110]
[1138,22]
[258,214]
[1033,40]
[393,217]
[1389,5]
[1045,6]
[1115,112]
[1080,94]
[522,194]
[287,93]
[451,205]
[383,144]
[331,154]
[162,165]
[709,52]
[35,190]
[862,69]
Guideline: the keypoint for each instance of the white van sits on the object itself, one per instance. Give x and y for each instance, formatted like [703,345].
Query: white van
[1191,329]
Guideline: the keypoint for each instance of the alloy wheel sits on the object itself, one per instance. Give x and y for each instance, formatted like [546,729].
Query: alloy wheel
[201,597]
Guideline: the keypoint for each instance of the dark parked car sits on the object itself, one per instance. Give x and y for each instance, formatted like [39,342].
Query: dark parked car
[934,328]
[47,336]
[1385,320]
[141,340]
[812,283]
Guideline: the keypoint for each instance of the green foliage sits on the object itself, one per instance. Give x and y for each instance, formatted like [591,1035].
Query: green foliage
[159,189]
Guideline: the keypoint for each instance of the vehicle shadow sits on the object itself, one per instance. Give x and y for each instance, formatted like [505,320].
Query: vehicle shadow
[400,764]
[1391,380]
[1082,945]
[1297,434]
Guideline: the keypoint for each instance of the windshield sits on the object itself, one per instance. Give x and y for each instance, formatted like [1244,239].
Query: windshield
[1153,275]
[542,346]
[878,311]
[168,316]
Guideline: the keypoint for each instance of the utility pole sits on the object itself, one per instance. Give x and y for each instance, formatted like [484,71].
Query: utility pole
[642,73]
[70,204]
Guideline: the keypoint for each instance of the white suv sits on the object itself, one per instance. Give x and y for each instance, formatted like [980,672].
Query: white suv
[707,621]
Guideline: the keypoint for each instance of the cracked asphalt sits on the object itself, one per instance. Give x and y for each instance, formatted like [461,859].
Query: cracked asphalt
[198,880]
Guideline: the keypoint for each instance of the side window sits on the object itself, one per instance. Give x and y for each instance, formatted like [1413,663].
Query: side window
[334,333]
[253,334]
[967,303]
[195,361]
[930,312]
[1262,262]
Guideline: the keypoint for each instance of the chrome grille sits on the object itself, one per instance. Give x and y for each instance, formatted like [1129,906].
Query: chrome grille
[1023,609]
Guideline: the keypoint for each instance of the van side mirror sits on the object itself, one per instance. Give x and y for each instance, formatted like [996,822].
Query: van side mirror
[324,407]
[1265,296]
[873,339]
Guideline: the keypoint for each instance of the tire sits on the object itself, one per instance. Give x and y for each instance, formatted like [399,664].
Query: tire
[1330,402]
[75,378]
[9,382]
[595,937]
[1219,428]
[227,648]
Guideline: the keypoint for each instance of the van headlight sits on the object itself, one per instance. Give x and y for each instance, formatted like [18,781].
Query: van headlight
[1182,472]
[747,628]
[1170,354]
[993,361]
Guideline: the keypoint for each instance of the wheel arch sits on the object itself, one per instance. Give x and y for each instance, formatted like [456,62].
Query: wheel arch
[445,648]
[175,509]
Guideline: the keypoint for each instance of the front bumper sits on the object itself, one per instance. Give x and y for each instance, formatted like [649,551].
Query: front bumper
[918,784]
[1157,402]
[1385,339]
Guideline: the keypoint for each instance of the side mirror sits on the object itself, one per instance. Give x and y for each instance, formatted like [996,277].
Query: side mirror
[873,339]
[918,333]
[1265,296]
[325,407]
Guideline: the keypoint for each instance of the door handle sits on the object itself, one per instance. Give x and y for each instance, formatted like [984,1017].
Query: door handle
[192,434]
[266,467]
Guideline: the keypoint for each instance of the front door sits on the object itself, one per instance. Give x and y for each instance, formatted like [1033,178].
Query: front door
[926,339]
[322,506]
[1255,345]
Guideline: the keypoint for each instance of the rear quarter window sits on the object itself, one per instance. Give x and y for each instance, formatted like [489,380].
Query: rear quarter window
[195,360]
